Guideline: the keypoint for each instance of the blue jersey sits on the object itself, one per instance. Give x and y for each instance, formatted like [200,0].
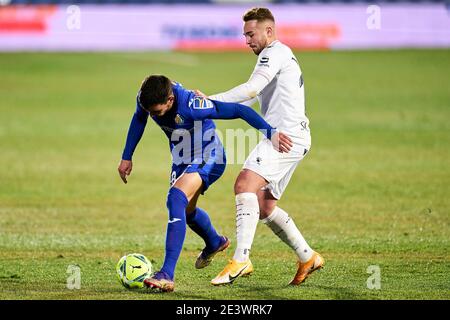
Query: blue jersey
[191,117]
[186,109]
[188,125]
[189,129]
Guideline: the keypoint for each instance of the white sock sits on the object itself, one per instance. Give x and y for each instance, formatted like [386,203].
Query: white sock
[247,216]
[284,227]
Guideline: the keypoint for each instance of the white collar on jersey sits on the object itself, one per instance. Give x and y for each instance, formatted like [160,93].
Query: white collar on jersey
[272,43]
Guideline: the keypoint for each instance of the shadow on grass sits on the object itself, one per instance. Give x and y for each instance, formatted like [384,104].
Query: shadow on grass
[303,292]
[342,293]
[267,294]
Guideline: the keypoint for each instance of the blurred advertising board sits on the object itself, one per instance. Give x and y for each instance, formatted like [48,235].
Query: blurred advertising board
[219,27]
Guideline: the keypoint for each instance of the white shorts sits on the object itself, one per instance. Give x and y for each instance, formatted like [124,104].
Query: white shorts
[277,168]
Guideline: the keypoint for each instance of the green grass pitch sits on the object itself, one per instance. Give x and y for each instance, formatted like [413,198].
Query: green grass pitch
[373,191]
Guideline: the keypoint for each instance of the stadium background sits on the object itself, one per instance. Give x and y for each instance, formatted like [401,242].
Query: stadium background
[373,192]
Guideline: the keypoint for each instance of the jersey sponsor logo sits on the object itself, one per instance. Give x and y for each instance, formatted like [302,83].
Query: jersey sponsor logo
[178,119]
[201,103]
[264,60]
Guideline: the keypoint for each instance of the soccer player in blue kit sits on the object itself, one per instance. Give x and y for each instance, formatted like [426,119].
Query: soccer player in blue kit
[198,161]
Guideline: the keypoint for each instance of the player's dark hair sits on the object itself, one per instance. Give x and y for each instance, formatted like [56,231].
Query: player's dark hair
[155,89]
[258,14]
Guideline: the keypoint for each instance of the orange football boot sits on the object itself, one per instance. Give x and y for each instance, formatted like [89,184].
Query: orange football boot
[306,268]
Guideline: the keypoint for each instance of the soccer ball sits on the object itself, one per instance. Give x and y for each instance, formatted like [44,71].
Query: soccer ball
[132,269]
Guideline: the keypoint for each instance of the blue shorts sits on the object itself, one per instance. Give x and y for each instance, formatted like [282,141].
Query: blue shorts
[210,170]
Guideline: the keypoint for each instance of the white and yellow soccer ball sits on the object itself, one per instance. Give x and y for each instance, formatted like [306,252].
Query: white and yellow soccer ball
[132,269]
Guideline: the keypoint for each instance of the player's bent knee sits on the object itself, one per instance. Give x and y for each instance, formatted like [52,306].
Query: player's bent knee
[174,196]
[190,184]
[243,183]
[248,181]
[240,187]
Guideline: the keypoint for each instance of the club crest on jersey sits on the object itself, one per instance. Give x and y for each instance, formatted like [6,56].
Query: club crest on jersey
[201,103]
[178,119]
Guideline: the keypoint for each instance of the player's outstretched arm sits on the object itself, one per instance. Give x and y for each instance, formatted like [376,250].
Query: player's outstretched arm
[222,110]
[135,132]
[244,92]
[247,103]
[280,141]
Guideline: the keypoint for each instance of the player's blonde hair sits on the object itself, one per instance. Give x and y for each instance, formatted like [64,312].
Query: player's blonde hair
[258,14]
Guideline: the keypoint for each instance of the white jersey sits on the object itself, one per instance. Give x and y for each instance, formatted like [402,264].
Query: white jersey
[282,101]
[277,83]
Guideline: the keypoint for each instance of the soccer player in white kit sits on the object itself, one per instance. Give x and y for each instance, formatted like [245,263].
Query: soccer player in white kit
[277,83]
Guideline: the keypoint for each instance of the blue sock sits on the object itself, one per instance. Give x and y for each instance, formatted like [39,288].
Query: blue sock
[200,223]
[176,229]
